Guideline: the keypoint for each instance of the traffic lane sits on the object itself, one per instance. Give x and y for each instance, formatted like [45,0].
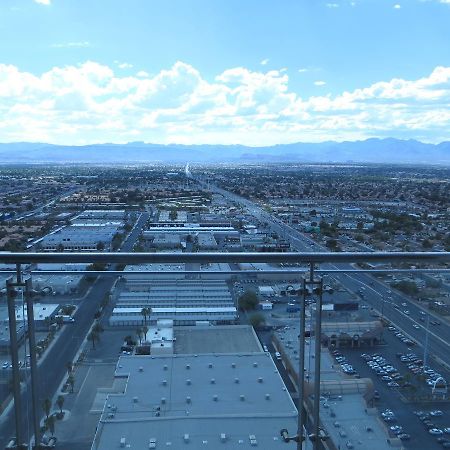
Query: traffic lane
[53,367]
[376,299]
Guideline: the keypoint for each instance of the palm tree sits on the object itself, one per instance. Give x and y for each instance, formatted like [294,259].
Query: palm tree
[145,331]
[46,406]
[50,424]
[60,402]
[71,382]
[92,336]
[97,329]
[146,313]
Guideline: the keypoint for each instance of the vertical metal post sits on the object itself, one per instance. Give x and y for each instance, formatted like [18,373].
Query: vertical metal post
[10,294]
[33,363]
[301,369]
[317,356]
[18,273]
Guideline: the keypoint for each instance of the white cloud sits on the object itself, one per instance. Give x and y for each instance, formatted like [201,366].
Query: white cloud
[79,44]
[302,70]
[319,83]
[264,62]
[125,66]
[43,2]
[90,102]
[397,6]
[332,5]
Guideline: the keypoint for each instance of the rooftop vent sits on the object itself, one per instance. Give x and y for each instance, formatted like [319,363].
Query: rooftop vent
[186,438]
[233,365]
[255,364]
[210,365]
[213,381]
[253,441]
[188,382]
[223,437]
[242,397]
[123,442]
[215,398]
[163,400]
[152,443]
[164,382]
[260,380]
[188,399]
[236,380]
[135,399]
[141,369]
[267,396]
[165,367]
[188,366]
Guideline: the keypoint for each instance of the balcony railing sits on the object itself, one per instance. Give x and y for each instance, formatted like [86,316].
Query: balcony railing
[335,262]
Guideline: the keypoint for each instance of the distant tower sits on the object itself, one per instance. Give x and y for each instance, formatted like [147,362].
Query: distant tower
[187,171]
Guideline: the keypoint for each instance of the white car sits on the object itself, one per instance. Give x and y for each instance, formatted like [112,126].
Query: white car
[436,432]
[278,355]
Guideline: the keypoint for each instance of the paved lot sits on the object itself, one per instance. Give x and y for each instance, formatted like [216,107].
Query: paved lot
[391,398]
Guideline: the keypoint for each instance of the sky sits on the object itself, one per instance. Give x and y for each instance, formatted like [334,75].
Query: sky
[252,72]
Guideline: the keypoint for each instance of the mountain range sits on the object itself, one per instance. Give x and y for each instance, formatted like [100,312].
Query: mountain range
[373,150]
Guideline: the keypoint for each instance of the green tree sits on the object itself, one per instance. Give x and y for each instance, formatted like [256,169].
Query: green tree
[407,287]
[46,406]
[71,382]
[248,301]
[60,402]
[146,313]
[97,329]
[59,321]
[50,424]
[426,243]
[173,215]
[145,331]
[92,336]
[69,367]
[100,246]
[257,319]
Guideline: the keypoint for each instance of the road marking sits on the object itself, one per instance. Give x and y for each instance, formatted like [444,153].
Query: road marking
[82,384]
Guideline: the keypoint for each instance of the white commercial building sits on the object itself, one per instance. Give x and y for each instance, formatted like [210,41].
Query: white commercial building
[205,401]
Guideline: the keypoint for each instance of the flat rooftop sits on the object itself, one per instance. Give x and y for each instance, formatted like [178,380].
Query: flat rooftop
[216,339]
[235,401]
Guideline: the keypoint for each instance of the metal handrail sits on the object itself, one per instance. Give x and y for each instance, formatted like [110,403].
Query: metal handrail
[237,257]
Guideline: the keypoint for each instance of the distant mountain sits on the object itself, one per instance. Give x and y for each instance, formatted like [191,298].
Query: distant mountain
[368,151]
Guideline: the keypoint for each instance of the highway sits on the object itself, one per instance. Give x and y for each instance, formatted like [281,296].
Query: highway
[53,367]
[376,293]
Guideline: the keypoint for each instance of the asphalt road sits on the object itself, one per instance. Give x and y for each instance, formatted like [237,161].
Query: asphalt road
[53,367]
[376,293]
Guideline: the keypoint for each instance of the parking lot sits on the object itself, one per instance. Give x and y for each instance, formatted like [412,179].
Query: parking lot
[421,425]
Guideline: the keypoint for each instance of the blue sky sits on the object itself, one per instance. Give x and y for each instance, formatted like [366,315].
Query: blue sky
[254,72]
